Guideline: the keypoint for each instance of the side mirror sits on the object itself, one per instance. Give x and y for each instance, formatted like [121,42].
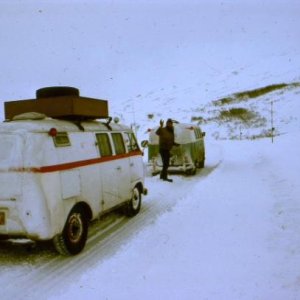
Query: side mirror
[144,144]
[203,134]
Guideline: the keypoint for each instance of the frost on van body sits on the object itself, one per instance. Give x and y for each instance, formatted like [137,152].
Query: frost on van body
[26,144]
[8,155]
[36,146]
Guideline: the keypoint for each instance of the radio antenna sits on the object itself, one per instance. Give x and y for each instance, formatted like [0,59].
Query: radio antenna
[133,113]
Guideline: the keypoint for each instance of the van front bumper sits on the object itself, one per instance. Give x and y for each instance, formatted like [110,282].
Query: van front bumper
[173,169]
[145,191]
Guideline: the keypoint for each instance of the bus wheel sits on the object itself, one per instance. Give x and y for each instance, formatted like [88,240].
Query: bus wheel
[73,238]
[191,171]
[4,237]
[200,164]
[134,205]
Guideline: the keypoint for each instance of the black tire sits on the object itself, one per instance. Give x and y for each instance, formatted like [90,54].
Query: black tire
[134,205]
[56,91]
[73,238]
[3,237]
[200,163]
[191,171]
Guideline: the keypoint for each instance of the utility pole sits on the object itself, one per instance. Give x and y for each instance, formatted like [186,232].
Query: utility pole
[240,132]
[133,112]
[272,124]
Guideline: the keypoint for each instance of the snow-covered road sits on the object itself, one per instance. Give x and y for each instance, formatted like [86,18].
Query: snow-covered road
[230,229]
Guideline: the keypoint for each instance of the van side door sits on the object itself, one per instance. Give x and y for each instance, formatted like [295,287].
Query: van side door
[122,175]
[136,166]
[107,171]
[113,169]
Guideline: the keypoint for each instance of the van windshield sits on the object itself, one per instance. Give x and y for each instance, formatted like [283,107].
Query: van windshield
[10,151]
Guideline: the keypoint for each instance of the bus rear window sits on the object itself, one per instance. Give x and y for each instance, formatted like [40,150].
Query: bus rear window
[61,139]
[131,142]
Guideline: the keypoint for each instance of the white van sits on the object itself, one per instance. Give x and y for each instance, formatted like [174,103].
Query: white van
[56,175]
[186,157]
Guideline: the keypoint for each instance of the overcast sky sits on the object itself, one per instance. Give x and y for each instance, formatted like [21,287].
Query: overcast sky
[119,49]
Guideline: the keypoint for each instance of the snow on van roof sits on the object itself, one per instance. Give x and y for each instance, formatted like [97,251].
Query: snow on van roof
[44,125]
[184,133]
[179,126]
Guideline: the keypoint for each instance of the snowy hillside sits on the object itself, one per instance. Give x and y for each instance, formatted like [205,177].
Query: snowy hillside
[232,230]
[247,114]
[252,114]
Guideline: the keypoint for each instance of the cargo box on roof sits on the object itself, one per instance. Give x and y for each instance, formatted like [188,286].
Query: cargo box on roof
[59,102]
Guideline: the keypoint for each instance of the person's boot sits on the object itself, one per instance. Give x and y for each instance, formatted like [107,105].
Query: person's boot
[163,175]
[167,179]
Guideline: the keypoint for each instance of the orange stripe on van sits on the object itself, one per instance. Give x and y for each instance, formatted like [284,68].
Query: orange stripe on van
[75,164]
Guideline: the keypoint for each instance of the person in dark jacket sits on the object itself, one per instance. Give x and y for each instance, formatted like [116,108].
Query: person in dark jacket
[166,142]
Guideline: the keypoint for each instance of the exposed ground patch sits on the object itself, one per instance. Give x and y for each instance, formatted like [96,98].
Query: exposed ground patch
[255,93]
[244,115]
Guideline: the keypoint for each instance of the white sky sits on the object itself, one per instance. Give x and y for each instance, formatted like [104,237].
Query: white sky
[119,49]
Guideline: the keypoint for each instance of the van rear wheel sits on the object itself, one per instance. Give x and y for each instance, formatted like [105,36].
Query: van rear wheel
[73,238]
[134,205]
[200,163]
[191,171]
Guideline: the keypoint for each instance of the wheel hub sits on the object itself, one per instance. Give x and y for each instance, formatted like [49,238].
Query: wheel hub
[75,228]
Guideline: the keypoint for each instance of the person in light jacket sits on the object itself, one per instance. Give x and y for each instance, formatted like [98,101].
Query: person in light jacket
[166,142]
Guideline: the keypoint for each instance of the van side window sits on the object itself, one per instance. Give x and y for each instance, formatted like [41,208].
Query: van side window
[198,133]
[131,142]
[118,143]
[104,144]
[61,139]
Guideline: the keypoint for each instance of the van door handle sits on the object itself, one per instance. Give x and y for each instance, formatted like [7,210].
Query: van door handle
[119,168]
[131,164]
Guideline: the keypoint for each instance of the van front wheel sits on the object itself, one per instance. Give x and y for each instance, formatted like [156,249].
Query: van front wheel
[73,238]
[134,205]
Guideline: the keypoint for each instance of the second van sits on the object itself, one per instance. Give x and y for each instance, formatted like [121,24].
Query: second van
[186,157]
